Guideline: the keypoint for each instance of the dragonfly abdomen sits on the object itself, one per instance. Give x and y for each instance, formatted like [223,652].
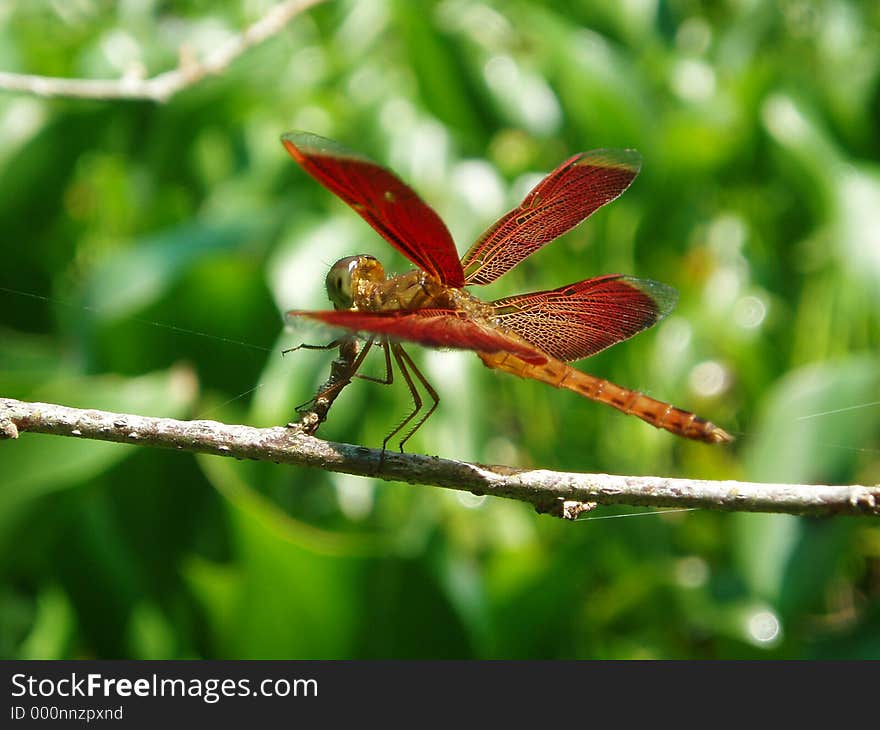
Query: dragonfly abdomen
[657,413]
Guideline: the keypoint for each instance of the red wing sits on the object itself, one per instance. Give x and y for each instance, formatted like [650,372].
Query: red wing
[581,319]
[431,327]
[564,198]
[384,201]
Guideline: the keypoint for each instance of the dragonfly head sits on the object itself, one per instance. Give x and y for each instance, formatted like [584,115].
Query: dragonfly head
[347,276]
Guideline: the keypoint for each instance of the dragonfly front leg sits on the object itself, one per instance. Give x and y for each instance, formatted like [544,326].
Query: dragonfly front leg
[305,346]
[351,355]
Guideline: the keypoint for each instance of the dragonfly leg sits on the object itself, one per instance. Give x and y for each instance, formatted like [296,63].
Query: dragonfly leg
[417,399]
[389,371]
[305,346]
[340,377]
[406,366]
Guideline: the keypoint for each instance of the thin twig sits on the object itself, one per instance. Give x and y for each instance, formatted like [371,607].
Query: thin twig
[548,491]
[162,87]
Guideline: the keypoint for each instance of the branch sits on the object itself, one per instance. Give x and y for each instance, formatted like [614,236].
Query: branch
[558,493]
[162,87]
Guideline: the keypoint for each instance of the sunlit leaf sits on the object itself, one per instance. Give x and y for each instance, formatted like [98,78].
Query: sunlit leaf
[815,423]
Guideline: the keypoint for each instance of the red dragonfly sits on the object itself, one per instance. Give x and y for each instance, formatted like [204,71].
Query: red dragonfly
[529,335]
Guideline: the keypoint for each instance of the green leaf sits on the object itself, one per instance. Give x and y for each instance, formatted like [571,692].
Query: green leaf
[814,421]
[38,464]
[296,593]
[136,276]
[764,545]
[53,627]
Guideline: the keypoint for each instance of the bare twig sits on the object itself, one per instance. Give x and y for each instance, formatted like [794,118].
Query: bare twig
[548,491]
[162,87]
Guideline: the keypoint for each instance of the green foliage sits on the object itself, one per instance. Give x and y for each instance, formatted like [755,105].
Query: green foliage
[148,253]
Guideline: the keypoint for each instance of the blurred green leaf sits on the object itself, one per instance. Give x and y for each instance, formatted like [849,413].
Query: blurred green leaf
[436,63]
[295,595]
[813,424]
[53,627]
[135,277]
[764,548]
[151,636]
[38,464]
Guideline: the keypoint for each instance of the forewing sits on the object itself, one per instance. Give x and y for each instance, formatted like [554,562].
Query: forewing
[430,327]
[383,200]
[581,319]
[564,198]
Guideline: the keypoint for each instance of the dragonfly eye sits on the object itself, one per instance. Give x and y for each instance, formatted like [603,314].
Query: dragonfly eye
[339,280]
[347,275]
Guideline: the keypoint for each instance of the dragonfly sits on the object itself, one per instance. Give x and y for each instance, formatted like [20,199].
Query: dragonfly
[532,335]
